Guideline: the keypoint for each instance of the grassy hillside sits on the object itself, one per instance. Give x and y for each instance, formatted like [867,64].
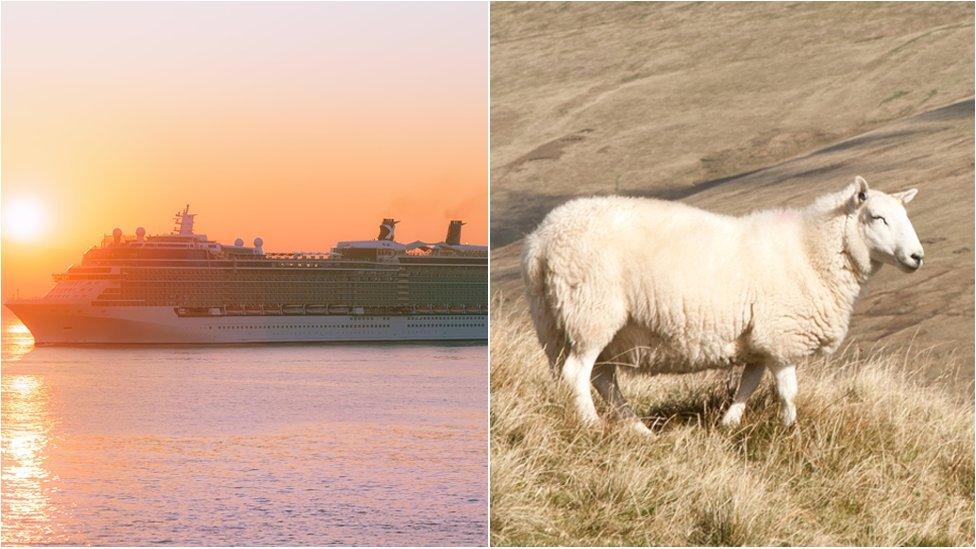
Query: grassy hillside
[878,459]
[736,107]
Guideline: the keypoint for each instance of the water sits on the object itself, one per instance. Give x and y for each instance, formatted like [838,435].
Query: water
[248,445]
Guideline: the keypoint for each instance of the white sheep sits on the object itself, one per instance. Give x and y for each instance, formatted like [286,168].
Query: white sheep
[670,288]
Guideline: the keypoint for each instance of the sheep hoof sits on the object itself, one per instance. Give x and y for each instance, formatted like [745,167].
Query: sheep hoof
[637,426]
[733,416]
[730,423]
[591,424]
[788,418]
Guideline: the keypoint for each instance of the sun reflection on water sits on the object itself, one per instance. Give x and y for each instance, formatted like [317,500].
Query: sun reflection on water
[25,429]
[17,339]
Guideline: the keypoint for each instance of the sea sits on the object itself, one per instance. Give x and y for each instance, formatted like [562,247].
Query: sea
[325,444]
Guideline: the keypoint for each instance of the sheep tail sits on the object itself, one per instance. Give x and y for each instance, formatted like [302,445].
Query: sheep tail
[535,273]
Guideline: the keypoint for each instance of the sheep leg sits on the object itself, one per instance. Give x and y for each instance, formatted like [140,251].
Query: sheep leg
[751,376]
[786,388]
[605,380]
[576,373]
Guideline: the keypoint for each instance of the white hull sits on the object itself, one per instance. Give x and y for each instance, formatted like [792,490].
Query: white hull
[67,324]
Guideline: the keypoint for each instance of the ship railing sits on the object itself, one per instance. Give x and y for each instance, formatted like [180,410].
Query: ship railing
[300,256]
[276,309]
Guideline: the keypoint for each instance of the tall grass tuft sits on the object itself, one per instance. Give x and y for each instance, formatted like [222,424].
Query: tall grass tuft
[878,458]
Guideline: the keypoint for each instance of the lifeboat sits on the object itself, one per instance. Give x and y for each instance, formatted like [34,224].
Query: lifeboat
[272,309]
[317,309]
[196,311]
[253,310]
[293,309]
[233,310]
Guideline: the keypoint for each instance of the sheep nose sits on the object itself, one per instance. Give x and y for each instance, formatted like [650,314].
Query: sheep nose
[918,259]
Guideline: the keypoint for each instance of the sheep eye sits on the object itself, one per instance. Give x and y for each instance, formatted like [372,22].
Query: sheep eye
[876,217]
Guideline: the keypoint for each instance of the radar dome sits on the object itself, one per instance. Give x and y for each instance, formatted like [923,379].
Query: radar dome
[117,234]
[140,233]
[239,242]
[258,242]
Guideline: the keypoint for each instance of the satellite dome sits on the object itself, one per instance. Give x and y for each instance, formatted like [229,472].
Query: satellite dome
[140,233]
[117,235]
[239,242]
[258,242]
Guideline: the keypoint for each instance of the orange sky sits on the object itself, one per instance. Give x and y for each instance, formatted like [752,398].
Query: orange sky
[302,123]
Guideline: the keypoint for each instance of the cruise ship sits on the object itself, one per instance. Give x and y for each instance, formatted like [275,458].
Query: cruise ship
[183,288]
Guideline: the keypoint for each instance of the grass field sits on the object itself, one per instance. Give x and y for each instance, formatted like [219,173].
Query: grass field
[877,458]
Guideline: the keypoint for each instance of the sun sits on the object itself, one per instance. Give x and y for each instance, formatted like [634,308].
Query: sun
[24,219]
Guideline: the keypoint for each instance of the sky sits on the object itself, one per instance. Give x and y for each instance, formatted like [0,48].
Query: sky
[301,123]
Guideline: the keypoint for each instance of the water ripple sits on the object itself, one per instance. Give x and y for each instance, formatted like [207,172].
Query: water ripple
[291,445]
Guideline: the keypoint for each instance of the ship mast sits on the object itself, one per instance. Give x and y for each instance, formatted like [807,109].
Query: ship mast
[184,222]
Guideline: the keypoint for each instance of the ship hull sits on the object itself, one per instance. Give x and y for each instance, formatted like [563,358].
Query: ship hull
[63,324]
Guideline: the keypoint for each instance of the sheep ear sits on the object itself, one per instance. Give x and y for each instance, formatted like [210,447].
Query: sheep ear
[860,191]
[906,196]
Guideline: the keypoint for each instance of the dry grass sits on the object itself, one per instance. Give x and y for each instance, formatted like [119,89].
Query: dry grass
[877,459]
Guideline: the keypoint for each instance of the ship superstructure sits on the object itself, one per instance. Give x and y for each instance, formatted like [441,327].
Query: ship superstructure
[185,288]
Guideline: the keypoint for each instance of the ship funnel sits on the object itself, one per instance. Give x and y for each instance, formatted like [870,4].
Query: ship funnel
[140,234]
[117,235]
[387,229]
[454,232]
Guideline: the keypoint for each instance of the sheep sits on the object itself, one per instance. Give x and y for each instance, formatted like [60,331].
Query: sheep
[668,288]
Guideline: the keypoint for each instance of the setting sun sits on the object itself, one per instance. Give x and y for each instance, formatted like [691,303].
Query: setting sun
[23,219]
